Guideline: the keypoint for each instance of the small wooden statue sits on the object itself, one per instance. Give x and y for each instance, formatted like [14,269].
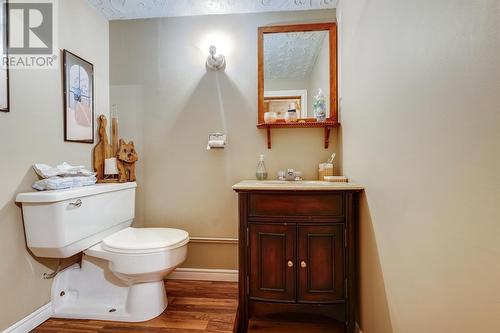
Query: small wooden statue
[103,149]
[126,158]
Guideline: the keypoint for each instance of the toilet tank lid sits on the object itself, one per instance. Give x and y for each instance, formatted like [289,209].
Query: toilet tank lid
[72,193]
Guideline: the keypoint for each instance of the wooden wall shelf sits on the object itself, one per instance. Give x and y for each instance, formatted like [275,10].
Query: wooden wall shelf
[327,125]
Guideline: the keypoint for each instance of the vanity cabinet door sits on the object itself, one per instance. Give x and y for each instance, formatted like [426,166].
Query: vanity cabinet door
[272,262]
[321,263]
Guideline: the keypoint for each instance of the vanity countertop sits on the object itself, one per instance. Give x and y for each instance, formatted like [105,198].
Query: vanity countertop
[305,185]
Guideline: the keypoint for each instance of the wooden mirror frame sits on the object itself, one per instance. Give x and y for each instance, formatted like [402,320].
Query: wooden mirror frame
[5,32]
[331,27]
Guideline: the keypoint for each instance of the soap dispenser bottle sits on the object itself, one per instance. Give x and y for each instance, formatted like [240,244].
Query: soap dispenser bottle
[261,169]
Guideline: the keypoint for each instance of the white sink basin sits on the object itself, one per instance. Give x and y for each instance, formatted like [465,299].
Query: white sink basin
[294,185]
[291,183]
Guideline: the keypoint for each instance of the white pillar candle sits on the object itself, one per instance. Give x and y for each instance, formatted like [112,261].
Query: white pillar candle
[110,167]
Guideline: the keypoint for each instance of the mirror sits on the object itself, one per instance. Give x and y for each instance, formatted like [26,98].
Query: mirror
[296,62]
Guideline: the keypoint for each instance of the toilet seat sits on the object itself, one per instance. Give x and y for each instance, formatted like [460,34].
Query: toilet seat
[145,240]
[149,252]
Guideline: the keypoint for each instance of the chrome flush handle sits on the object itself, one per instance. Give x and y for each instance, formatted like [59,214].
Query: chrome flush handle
[77,203]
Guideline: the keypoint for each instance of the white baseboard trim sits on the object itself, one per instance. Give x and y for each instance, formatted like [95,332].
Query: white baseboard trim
[31,321]
[213,240]
[199,274]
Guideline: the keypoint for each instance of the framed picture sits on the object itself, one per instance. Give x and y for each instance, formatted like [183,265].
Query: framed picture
[4,69]
[78,83]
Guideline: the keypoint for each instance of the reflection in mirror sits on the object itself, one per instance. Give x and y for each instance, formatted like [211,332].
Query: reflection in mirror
[296,67]
[281,101]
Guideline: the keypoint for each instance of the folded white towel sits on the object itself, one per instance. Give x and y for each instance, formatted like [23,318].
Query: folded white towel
[64,169]
[59,183]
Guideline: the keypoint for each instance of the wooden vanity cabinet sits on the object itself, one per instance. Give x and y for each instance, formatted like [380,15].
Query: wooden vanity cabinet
[272,255]
[297,254]
[320,256]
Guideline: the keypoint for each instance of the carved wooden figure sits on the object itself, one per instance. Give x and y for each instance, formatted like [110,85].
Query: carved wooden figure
[103,149]
[126,158]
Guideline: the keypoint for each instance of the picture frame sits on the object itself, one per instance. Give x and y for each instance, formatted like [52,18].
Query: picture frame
[4,71]
[78,87]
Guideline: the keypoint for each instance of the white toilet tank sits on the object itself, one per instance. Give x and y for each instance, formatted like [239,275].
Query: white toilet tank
[59,224]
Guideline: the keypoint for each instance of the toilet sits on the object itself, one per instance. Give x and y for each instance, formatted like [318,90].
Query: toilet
[121,273]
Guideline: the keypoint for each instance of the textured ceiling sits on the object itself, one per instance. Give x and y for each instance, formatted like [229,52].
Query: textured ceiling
[132,9]
[291,55]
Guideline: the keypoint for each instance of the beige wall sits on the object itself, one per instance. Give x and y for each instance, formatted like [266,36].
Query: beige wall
[421,130]
[169,104]
[33,132]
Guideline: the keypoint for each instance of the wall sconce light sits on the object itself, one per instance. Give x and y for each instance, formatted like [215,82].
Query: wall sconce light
[215,61]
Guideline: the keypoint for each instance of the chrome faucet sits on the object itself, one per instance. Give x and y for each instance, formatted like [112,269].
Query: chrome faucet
[290,175]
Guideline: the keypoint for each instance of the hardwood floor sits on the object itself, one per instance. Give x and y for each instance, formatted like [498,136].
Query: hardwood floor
[196,307]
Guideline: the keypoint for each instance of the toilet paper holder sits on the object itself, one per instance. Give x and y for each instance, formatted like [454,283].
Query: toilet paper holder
[216,141]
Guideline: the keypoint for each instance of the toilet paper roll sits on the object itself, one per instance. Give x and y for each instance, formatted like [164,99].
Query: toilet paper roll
[216,140]
[216,144]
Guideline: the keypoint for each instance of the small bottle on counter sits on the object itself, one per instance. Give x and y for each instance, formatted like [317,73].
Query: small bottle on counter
[291,116]
[261,169]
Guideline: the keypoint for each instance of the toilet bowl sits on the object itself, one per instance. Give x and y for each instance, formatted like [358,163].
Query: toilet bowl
[121,278]
[121,273]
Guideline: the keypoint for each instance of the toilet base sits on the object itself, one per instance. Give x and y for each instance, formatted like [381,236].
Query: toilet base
[93,292]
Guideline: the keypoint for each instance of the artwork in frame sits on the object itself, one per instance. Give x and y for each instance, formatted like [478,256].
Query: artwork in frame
[78,83]
[4,69]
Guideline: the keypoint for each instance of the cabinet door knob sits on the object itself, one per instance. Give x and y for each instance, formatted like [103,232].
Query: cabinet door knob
[290,263]
[303,264]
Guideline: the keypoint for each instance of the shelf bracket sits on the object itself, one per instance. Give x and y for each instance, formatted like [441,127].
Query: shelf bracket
[268,137]
[327,136]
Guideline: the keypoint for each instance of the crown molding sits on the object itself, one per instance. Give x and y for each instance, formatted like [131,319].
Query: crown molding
[136,9]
